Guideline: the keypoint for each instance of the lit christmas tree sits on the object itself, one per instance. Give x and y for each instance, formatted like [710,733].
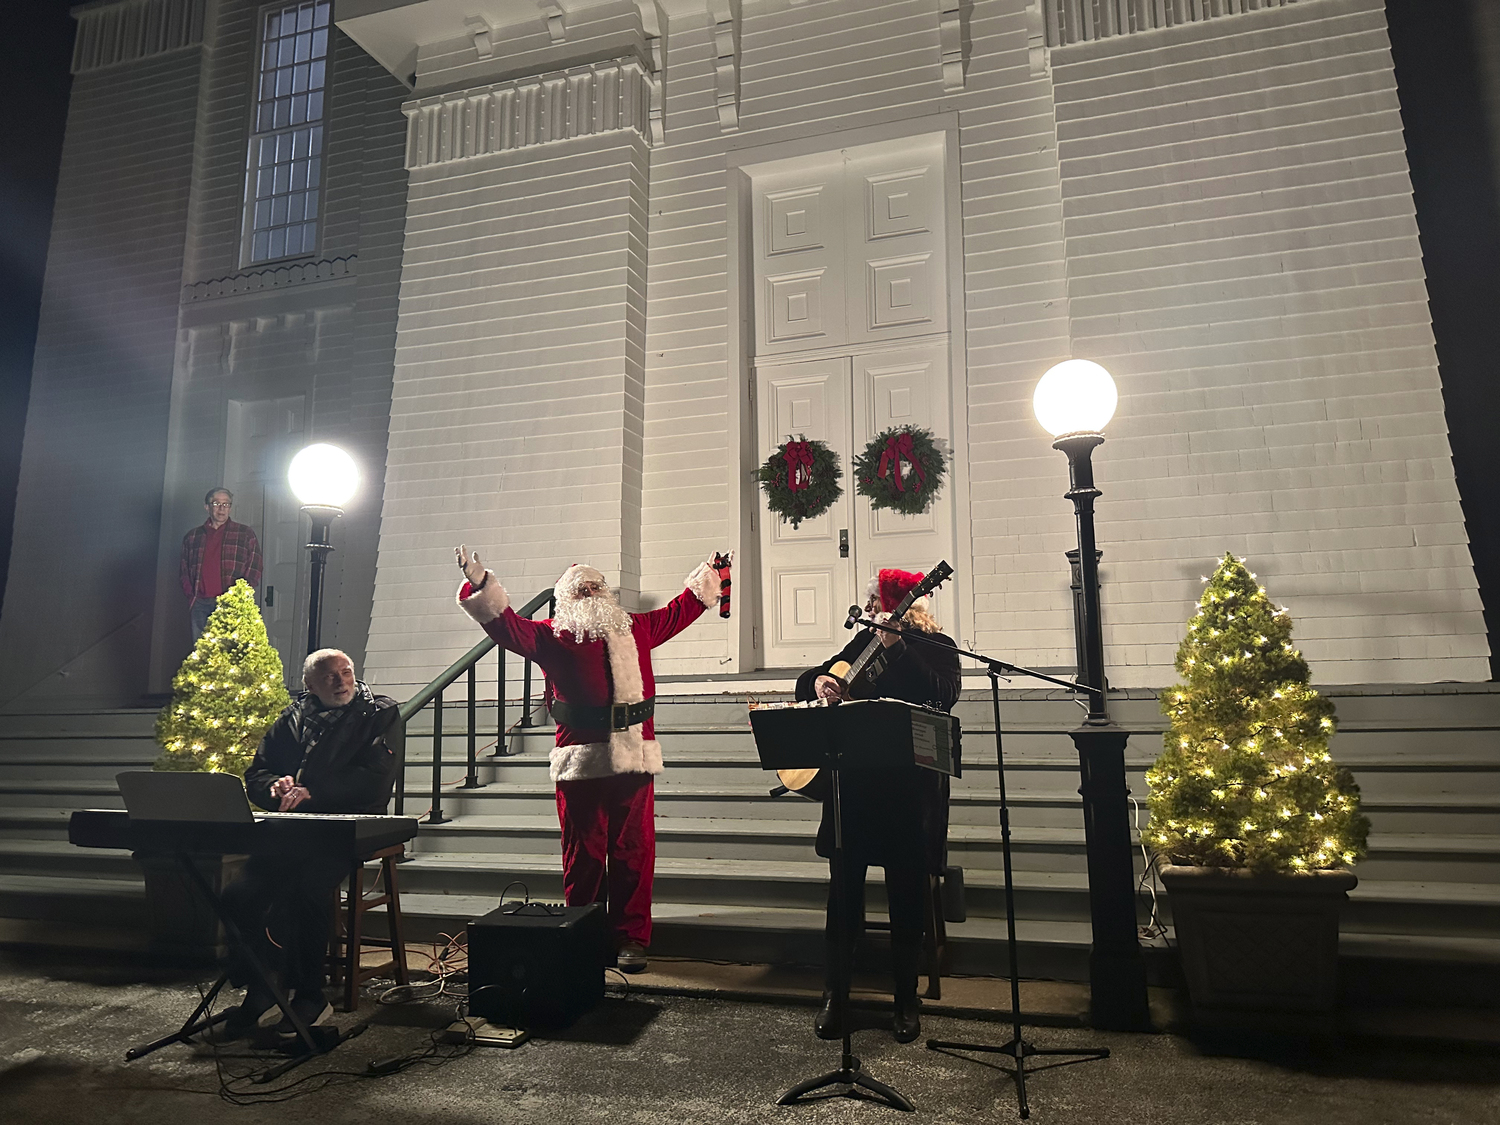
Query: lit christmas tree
[1245,779]
[227,692]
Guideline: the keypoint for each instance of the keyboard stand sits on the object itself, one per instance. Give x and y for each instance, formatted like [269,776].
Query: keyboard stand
[311,1044]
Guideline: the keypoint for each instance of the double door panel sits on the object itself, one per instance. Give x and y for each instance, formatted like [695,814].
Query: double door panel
[811,574]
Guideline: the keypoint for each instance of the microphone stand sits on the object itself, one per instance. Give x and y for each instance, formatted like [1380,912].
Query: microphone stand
[1018,1048]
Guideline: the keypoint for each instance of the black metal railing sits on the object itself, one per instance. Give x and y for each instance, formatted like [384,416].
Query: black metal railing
[467,664]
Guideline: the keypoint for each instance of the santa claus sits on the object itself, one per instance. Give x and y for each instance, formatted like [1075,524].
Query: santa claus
[597,657]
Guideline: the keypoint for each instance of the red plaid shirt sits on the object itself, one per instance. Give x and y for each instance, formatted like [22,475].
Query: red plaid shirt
[239,557]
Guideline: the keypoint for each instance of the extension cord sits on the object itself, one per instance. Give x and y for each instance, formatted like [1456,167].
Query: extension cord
[482,1033]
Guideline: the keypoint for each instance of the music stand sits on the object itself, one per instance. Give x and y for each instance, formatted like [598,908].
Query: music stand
[1018,1048]
[802,738]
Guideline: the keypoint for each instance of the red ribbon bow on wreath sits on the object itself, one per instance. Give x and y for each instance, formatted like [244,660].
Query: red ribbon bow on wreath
[898,449]
[799,461]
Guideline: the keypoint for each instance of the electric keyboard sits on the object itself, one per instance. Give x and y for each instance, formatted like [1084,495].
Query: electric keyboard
[349,834]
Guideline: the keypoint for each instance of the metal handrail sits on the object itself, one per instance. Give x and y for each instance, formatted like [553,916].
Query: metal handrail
[433,694]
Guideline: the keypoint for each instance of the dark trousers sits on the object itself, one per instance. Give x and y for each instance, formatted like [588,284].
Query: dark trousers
[284,909]
[906,890]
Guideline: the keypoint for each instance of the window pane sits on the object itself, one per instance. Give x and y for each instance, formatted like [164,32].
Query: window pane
[299,142]
[315,75]
[299,175]
[305,17]
[288,49]
[312,205]
[262,214]
[278,242]
[309,237]
[283,175]
[266,184]
[278,210]
[267,155]
[294,240]
[304,46]
[262,247]
[284,147]
[322,17]
[315,106]
[313,167]
[320,44]
[299,109]
[283,113]
[317,139]
[273,26]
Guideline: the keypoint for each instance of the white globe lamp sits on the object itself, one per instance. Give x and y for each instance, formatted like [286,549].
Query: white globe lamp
[1076,396]
[324,478]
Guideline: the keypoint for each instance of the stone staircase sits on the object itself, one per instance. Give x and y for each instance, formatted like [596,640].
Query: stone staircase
[736,875]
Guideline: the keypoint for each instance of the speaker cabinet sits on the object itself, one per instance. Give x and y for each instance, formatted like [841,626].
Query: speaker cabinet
[536,965]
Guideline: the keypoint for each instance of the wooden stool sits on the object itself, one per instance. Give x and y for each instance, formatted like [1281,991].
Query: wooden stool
[344,949]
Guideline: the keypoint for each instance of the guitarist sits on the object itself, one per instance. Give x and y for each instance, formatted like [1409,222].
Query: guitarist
[893,818]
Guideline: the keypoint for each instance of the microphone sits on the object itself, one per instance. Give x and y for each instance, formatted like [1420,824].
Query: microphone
[854,612]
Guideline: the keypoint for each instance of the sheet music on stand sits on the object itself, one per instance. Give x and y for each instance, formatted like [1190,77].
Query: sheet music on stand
[864,733]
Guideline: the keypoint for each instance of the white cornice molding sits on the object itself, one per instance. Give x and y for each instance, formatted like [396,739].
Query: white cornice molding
[602,97]
[1079,21]
[132,30]
[725,17]
[273,277]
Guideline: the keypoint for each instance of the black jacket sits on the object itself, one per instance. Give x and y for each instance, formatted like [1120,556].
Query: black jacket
[351,769]
[894,817]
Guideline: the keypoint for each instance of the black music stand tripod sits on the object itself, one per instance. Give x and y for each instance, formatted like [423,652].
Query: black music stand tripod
[849,1072]
[1018,1047]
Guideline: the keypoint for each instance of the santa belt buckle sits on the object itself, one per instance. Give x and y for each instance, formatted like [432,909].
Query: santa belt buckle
[619,716]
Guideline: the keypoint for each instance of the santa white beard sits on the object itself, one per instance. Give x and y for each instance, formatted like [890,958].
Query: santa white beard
[591,618]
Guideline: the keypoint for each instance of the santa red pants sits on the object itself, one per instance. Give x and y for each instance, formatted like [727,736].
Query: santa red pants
[609,848]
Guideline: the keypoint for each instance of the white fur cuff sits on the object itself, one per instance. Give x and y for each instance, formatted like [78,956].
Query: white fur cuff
[704,583]
[486,604]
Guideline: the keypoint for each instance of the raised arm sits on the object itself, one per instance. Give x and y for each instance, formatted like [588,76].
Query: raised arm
[702,591]
[486,601]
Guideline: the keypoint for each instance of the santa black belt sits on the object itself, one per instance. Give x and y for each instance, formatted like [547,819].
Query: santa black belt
[616,716]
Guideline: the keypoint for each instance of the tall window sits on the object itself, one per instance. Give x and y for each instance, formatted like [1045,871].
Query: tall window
[286,145]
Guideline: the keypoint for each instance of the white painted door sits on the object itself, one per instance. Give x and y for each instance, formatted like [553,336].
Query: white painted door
[806,583]
[263,436]
[903,387]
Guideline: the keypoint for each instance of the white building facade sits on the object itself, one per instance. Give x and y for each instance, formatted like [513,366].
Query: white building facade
[562,274]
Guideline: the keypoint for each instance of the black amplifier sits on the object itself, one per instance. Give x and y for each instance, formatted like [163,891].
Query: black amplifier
[536,965]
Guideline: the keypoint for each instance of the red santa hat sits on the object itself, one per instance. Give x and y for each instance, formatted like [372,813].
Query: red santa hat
[890,586]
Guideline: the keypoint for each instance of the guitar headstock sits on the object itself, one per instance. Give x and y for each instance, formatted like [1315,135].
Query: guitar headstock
[935,578]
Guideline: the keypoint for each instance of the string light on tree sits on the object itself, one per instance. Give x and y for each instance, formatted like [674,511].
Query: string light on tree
[1272,799]
[227,692]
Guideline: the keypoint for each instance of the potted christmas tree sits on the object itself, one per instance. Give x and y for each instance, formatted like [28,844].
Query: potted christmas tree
[1258,822]
[227,692]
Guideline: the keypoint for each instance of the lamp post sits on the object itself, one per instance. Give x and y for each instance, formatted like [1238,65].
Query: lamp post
[323,477]
[1074,401]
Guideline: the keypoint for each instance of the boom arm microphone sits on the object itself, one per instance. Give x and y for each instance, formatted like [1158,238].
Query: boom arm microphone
[854,615]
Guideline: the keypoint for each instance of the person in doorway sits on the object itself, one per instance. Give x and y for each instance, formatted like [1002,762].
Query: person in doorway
[330,751]
[216,554]
[892,818]
[597,657]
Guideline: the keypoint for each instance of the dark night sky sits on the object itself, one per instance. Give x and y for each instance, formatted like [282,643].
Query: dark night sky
[1458,211]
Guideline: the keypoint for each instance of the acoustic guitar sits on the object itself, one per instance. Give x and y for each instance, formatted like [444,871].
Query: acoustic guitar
[857,680]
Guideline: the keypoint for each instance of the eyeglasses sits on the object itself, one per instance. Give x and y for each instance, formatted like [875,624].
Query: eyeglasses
[221,504]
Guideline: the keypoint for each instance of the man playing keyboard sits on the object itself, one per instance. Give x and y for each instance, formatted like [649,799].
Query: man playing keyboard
[328,752]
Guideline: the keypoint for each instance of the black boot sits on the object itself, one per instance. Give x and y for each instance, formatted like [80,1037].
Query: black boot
[827,1024]
[907,1023]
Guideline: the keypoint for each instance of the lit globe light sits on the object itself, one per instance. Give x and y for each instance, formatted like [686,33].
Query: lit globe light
[1077,396]
[323,476]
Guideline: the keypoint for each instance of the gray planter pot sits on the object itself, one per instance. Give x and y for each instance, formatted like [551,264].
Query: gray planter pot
[1259,952]
[183,926]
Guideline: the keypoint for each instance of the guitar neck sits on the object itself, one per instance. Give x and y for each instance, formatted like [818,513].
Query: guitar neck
[857,669]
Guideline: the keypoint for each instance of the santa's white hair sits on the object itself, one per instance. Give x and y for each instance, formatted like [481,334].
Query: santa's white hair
[588,618]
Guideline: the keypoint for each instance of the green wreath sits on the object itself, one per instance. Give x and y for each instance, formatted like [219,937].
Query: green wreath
[801,479]
[902,469]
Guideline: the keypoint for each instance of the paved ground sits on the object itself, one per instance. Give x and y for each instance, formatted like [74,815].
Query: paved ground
[645,1057]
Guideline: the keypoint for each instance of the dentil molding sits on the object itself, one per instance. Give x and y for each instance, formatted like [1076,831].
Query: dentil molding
[581,101]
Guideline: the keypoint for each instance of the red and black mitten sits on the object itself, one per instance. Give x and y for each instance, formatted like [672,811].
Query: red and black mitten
[721,565]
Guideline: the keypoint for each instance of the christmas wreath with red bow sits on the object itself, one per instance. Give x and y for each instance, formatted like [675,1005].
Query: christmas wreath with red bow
[801,479]
[902,469]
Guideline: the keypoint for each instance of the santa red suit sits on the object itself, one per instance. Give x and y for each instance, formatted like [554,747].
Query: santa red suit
[606,753]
